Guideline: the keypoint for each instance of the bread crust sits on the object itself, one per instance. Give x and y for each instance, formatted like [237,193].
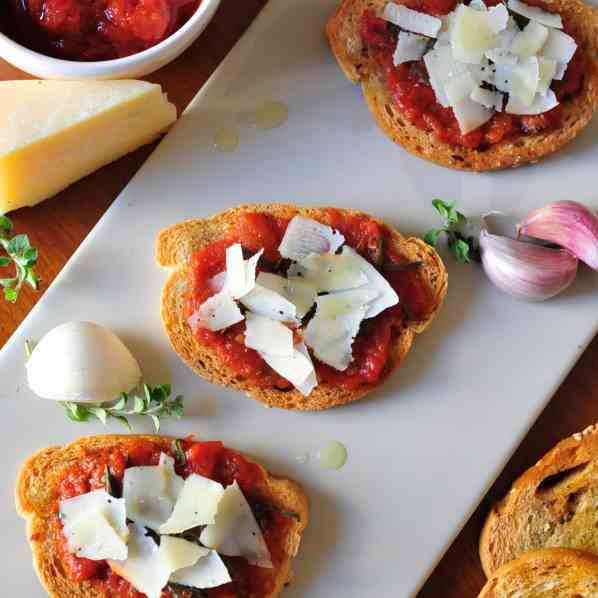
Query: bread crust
[36,495]
[548,573]
[345,41]
[176,244]
[553,504]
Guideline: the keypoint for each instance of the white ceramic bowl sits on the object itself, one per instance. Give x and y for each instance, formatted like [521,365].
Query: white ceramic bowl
[134,66]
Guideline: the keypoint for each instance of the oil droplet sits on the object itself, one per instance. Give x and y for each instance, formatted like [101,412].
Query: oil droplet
[226,140]
[271,115]
[333,455]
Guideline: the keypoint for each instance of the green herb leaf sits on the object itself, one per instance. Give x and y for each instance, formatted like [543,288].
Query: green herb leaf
[431,237]
[463,248]
[76,412]
[23,255]
[5,225]
[100,413]
[179,454]
[155,404]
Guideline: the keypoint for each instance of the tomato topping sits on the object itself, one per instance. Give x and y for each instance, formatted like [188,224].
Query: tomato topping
[371,349]
[95,29]
[210,459]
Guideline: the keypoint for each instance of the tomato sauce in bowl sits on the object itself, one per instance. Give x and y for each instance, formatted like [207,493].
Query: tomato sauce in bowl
[94,30]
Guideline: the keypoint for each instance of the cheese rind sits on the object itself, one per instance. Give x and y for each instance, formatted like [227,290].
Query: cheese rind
[53,133]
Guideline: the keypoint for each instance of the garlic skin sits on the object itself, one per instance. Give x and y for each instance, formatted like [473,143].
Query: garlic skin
[524,270]
[81,362]
[568,224]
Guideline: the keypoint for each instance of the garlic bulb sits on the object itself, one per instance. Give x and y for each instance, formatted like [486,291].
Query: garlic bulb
[525,270]
[81,362]
[568,224]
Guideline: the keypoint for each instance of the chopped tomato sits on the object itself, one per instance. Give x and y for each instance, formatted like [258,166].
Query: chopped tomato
[202,457]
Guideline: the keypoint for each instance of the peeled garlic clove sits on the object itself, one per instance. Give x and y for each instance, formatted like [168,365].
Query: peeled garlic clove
[524,270]
[568,224]
[81,362]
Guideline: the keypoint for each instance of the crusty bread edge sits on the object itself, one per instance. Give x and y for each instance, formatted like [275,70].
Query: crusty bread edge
[345,42]
[176,243]
[285,491]
[545,557]
[566,454]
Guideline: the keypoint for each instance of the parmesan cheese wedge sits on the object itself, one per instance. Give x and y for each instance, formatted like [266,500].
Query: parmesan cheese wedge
[268,336]
[471,35]
[56,132]
[304,236]
[412,20]
[537,14]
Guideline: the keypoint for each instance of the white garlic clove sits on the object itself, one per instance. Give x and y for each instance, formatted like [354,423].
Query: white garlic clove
[525,270]
[568,224]
[81,362]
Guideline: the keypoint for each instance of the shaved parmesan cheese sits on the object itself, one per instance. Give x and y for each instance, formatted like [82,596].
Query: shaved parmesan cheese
[197,504]
[481,72]
[329,272]
[97,501]
[498,18]
[268,336]
[502,56]
[92,537]
[502,76]
[536,14]
[177,553]
[529,41]
[387,297]
[411,20]
[311,381]
[216,313]
[143,567]
[539,105]
[339,304]
[459,88]
[410,47]
[218,282]
[478,5]
[236,531]
[240,274]
[471,35]
[505,38]
[208,572]
[470,115]
[296,368]
[332,339]
[488,98]
[436,62]
[235,270]
[561,69]
[266,302]
[150,493]
[524,81]
[304,236]
[547,70]
[299,292]
[559,46]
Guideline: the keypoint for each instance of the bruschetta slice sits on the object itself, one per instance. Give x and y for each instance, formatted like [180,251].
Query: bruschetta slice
[477,85]
[332,302]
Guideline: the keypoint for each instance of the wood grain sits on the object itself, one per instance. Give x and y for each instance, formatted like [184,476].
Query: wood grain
[58,226]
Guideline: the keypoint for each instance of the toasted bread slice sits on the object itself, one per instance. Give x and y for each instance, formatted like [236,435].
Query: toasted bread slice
[553,504]
[36,496]
[177,243]
[581,20]
[548,573]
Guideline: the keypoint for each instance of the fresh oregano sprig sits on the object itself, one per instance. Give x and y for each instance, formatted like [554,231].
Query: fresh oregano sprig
[155,403]
[463,247]
[20,252]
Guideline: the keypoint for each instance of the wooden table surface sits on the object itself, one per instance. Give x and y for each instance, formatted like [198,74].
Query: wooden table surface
[58,226]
